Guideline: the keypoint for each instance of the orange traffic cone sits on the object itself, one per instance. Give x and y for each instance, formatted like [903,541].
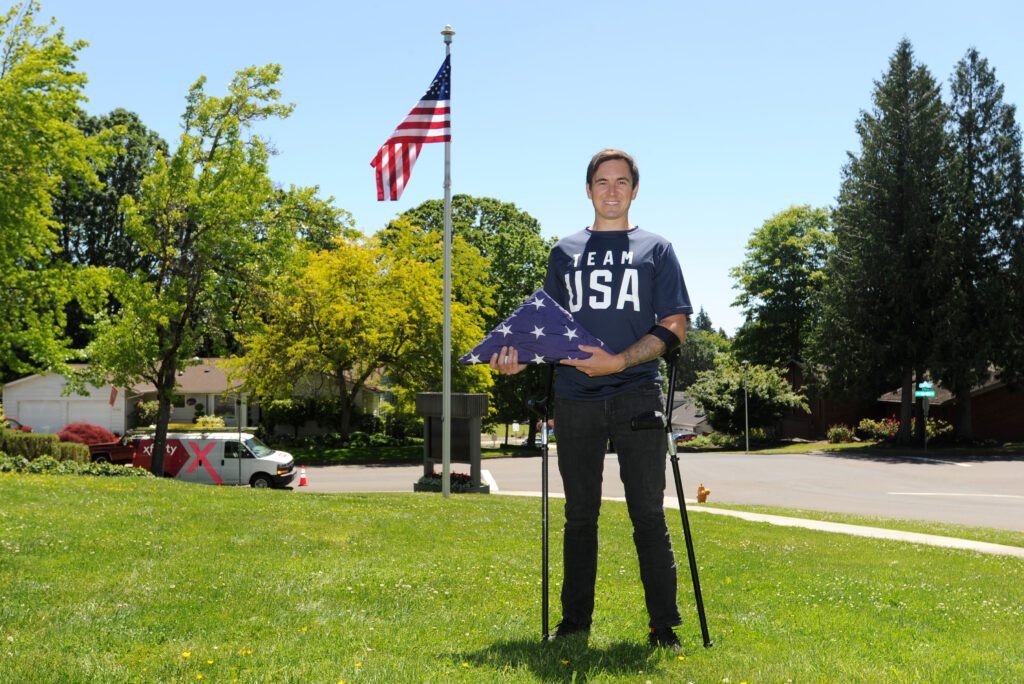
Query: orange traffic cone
[302,476]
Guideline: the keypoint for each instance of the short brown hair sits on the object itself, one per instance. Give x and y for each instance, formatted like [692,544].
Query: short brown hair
[608,155]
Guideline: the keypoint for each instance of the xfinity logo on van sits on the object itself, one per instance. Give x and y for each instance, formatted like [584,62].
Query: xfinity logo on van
[168,449]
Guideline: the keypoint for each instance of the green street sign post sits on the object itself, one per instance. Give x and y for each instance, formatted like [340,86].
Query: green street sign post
[925,391]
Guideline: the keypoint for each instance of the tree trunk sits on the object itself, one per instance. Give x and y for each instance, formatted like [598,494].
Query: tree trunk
[906,405]
[167,378]
[964,423]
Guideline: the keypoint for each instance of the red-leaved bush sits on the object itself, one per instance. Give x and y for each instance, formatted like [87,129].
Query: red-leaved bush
[86,433]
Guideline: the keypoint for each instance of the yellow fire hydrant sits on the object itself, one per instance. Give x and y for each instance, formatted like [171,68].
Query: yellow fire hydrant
[702,493]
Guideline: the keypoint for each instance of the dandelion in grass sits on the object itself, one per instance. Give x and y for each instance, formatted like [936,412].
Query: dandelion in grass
[564,661]
[465,664]
[680,657]
[186,654]
[209,662]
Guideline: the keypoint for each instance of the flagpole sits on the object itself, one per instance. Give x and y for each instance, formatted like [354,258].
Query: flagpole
[446,396]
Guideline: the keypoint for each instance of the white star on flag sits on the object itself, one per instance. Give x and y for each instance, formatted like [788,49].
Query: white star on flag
[524,330]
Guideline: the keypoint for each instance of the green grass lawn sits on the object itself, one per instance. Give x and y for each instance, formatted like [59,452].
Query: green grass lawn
[112,580]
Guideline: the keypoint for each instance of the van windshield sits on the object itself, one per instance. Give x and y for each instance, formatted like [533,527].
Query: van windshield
[258,448]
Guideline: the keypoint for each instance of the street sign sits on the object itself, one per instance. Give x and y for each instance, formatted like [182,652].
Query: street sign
[924,393]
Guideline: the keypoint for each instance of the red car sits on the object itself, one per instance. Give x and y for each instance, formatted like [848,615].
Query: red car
[11,424]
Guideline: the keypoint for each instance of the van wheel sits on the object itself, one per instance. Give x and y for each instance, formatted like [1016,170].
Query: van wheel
[101,458]
[260,481]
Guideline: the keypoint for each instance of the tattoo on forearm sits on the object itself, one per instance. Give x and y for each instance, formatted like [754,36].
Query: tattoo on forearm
[647,348]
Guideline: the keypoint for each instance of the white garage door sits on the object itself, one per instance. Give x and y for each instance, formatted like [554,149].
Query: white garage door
[94,412]
[41,415]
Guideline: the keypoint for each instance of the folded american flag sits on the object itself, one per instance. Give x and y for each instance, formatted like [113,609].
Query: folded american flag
[540,330]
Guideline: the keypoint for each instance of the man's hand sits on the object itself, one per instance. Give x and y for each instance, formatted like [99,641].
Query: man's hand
[600,362]
[506,361]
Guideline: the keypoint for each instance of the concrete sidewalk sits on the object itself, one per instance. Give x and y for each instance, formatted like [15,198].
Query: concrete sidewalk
[823,526]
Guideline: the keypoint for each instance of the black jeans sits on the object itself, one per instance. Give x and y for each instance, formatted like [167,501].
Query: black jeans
[583,429]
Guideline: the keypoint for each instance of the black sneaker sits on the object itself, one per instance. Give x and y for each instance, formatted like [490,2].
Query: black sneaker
[664,637]
[567,628]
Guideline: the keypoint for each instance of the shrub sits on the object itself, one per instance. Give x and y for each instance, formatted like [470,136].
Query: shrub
[30,445]
[839,433]
[936,428]
[51,466]
[210,421]
[878,429]
[86,433]
[72,451]
[145,412]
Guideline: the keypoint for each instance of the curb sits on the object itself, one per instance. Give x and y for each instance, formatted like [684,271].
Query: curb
[824,526]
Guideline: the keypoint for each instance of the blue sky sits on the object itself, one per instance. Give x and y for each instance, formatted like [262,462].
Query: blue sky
[734,110]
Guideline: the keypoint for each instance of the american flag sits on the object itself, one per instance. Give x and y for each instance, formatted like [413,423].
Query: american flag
[540,330]
[428,122]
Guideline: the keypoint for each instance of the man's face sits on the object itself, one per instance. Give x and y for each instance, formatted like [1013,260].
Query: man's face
[611,190]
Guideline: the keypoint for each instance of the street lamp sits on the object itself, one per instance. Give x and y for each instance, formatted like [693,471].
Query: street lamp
[746,411]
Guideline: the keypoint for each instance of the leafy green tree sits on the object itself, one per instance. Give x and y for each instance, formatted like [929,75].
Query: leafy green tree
[517,253]
[879,310]
[779,282]
[92,226]
[205,227]
[40,147]
[697,354]
[358,311]
[985,211]
[719,392]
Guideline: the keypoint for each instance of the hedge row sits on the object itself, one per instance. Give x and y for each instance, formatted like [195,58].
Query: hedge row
[51,466]
[33,445]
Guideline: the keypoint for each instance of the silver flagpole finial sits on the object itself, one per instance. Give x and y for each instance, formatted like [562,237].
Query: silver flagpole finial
[448,32]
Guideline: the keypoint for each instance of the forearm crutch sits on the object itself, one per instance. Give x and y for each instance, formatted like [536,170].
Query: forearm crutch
[665,423]
[542,408]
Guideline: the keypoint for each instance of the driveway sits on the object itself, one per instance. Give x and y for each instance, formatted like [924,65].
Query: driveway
[983,493]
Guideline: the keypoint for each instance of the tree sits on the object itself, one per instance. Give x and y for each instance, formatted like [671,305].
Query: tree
[697,354]
[702,321]
[205,226]
[719,392]
[40,147]
[985,210]
[92,231]
[358,311]
[879,306]
[779,282]
[92,225]
[510,239]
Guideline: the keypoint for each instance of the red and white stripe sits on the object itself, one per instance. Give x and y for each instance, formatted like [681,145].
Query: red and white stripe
[428,122]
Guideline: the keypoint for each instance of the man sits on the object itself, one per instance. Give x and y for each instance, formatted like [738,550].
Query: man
[623,285]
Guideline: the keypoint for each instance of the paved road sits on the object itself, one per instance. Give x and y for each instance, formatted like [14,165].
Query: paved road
[970,492]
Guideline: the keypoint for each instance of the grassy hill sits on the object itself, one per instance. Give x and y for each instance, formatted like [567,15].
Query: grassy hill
[118,579]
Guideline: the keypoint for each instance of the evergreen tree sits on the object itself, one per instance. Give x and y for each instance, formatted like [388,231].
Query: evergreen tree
[879,302]
[702,322]
[985,209]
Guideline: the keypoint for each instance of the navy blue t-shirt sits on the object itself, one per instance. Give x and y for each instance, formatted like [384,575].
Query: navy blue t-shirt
[616,284]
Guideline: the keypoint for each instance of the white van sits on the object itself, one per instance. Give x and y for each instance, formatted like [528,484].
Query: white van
[220,458]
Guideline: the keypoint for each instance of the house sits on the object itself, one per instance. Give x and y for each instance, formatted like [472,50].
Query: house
[686,415]
[997,412]
[203,388]
[40,402]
